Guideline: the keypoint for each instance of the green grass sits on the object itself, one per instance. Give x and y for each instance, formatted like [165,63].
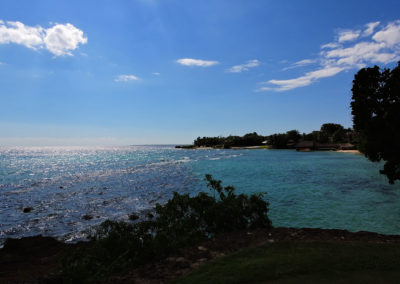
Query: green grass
[304,262]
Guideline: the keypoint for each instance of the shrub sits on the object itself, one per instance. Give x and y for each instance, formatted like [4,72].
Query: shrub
[182,221]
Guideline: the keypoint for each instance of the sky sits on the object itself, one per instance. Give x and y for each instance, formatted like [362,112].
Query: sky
[168,71]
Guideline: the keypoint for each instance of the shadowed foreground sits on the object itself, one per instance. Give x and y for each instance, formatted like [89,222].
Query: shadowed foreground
[304,262]
[284,255]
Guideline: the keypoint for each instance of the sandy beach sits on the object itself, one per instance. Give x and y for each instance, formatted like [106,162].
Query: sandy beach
[349,151]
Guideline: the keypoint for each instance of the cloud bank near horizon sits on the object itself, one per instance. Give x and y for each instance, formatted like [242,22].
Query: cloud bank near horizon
[375,44]
[60,39]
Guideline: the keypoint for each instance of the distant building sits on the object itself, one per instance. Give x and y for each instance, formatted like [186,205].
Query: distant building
[291,144]
[305,146]
[347,146]
[327,147]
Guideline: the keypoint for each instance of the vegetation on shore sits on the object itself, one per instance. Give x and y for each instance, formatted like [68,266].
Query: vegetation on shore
[182,221]
[328,133]
[36,259]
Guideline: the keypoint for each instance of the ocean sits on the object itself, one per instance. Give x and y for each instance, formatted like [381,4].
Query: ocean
[71,189]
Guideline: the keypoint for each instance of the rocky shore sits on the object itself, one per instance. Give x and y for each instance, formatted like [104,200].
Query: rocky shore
[35,259]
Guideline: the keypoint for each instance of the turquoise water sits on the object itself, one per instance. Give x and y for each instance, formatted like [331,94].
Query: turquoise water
[63,184]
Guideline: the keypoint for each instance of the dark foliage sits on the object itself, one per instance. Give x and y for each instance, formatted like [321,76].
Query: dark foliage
[329,133]
[293,135]
[209,141]
[278,141]
[249,139]
[376,116]
[332,132]
[181,222]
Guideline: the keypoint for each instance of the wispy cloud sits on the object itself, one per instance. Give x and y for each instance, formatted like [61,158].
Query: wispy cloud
[307,79]
[370,28]
[60,39]
[330,45]
[244,67]
[348,35]
[156,73]
[352,49]
[196,62]
[126,78]
[300,63]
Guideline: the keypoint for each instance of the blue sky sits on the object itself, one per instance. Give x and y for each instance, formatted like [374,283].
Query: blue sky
[162,71]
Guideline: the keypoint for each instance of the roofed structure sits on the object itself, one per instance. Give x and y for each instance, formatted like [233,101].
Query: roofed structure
[305,146]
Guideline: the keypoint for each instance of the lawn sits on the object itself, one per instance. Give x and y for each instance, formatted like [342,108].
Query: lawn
[304,262]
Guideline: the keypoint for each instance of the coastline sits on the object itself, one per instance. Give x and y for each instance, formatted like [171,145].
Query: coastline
[191,147]
[349,151]
[33,259]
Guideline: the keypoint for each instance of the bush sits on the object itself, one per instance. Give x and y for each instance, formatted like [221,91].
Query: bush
[182,221]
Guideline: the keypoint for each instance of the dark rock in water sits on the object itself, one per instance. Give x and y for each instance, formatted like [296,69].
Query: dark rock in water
[149,215]
[133,217]
[60,187]
[27,209]
[105,187]
[87,217]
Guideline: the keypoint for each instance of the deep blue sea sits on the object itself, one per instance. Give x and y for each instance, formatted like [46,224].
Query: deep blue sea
[63,184]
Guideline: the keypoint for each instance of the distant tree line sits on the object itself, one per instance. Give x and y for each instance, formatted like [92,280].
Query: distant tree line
[329,133]
[250,139]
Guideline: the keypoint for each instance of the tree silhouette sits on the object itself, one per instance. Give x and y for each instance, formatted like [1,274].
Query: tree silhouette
[376,116]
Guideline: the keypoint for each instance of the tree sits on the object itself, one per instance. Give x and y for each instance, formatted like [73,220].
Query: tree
[293,135]
[278,141]
[332,132]
[376,116]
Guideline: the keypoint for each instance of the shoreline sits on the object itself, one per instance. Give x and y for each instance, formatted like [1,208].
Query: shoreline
[259,148]
[349,151]
[32,259]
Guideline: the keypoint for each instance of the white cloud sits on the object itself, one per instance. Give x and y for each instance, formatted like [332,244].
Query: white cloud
[196,62]
[329,45]
[300,63]
[244,67]
[126,78]
[156,73]
[348,35]
[383,47]
[17,32]
[304,62]
[370,28]
[61,39]
[307,79]
[390,35]
[361,53]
